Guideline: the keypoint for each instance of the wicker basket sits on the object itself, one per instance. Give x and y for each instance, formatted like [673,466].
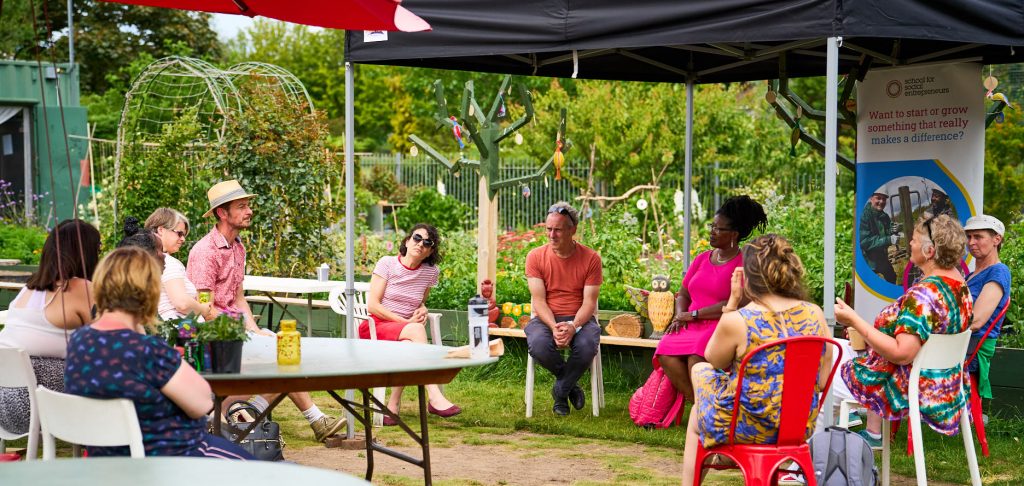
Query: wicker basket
[625,325]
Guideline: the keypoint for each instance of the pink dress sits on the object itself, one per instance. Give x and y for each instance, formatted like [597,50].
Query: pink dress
[708,284]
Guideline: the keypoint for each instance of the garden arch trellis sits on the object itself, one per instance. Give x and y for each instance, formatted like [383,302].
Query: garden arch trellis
[175,85]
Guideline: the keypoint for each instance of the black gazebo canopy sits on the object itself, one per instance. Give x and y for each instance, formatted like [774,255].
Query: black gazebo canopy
[705,41]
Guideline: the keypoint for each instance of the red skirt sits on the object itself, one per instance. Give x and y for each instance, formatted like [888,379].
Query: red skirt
[386,330]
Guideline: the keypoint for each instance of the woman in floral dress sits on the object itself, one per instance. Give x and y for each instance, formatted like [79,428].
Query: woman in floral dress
[940,303]
[772,278]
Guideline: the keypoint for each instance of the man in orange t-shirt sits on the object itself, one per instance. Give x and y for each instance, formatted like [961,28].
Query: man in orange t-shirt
[565,280]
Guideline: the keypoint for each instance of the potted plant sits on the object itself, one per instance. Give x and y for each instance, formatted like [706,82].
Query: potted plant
[224,335]
[180,333]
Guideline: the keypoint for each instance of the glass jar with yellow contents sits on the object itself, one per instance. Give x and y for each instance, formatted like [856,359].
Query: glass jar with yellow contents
[289,351]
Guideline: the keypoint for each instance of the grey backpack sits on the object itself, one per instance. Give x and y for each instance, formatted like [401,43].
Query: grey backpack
[842,458]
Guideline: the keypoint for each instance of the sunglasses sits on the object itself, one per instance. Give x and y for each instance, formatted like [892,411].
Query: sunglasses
[181,234]
[427,242]
[564,211]
[928,226]
[718,229]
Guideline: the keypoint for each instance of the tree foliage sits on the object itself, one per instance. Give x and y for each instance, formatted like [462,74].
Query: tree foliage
[276,150]
[108,36]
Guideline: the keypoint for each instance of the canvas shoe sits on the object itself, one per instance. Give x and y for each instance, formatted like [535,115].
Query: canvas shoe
[873,442]
[325,427]
[853,419]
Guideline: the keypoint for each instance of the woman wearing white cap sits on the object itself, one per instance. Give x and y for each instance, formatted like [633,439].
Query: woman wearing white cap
[990,287]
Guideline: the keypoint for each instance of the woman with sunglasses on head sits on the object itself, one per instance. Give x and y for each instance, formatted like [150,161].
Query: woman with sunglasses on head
[705,289]
[399,288]
[178,296]
[940,303]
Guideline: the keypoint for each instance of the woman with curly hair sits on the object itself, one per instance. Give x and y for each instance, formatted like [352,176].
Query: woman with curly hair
[397,303]
[704,291]
[940,303]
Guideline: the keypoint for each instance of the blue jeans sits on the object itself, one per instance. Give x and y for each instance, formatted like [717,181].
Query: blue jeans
[540,342]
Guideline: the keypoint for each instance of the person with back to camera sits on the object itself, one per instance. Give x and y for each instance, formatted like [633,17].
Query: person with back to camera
[564,278]
[56,300]
[940,303]
[704,291]
[771,278]
[114,358]
[139,237]
[399,288]
[990,287]
[178,295]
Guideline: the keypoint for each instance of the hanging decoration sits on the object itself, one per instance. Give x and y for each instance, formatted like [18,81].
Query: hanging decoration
[501,107]
[794,136]
[641,204]
[441,189]
[414,151]
[526,191]
[558,158]
[519,138]
[457,132]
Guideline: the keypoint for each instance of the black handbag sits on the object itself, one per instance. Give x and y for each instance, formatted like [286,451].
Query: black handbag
[263,442]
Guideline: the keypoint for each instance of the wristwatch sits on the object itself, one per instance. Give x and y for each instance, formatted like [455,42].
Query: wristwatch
[693,314]
[578,329]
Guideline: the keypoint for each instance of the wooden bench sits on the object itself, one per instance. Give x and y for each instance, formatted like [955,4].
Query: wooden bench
[612,340]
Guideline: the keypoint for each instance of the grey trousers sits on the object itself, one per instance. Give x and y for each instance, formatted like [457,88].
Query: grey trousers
[541,344]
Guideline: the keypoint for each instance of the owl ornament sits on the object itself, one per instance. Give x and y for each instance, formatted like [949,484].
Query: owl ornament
[661,304]
[657,304]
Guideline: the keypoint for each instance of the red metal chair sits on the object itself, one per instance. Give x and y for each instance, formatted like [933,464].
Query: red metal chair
[760,462]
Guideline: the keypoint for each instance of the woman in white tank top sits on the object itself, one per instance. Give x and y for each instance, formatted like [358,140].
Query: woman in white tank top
[55,302]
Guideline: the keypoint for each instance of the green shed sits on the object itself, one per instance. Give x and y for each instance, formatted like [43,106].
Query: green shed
[42,137]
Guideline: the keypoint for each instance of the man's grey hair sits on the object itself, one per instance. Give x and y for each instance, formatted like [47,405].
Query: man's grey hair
[565,209]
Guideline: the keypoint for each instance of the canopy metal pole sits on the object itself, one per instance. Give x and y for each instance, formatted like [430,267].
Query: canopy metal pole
[688,175]
[831,136]
[350,224]
[71,42]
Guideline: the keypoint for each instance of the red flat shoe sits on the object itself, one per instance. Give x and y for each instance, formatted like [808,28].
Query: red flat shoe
[389,422]
[448,412]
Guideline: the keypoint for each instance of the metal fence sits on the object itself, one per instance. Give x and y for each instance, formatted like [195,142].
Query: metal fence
[517,211]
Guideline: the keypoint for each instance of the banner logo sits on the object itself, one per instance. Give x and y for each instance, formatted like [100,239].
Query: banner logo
[894,89]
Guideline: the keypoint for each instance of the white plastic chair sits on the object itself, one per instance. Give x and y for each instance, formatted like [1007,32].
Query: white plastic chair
[88,421]
[339,303]
[596,380]
[940,352]
[15,372]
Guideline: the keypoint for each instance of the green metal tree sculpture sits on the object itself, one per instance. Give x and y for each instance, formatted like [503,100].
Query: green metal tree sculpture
[487,131]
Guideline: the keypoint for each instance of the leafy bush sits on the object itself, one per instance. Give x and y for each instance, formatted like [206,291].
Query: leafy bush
[429,206]
[1012,254]
[277,152]
[23,243]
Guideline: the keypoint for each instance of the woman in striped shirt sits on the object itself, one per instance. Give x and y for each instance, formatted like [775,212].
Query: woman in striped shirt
[398,291]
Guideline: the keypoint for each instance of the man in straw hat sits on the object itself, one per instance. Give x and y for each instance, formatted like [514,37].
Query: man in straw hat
[876,236]
[216,264]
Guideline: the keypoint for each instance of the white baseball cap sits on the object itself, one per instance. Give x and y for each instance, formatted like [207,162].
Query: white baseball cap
[984,221]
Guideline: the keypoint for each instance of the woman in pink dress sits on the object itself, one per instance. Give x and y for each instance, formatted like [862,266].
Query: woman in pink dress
[705,290]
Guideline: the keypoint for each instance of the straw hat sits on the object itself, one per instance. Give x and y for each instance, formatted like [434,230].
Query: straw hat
[224,192]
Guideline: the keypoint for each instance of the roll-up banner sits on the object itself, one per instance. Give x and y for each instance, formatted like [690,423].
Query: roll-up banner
[920,152]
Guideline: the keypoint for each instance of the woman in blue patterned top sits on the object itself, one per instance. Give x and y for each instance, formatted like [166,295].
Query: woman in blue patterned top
[114,358]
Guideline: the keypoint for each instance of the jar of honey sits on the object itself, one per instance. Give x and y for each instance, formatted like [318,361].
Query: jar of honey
[289,344]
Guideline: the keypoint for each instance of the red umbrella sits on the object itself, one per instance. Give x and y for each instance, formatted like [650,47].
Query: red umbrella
[334,14]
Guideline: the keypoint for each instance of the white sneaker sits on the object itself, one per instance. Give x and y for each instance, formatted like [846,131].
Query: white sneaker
[792,479]
[853,419]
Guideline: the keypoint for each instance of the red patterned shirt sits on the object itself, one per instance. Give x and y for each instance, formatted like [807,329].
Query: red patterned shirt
[216,265]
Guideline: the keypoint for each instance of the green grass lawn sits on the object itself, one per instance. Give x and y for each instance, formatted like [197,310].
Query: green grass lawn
[492,402]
